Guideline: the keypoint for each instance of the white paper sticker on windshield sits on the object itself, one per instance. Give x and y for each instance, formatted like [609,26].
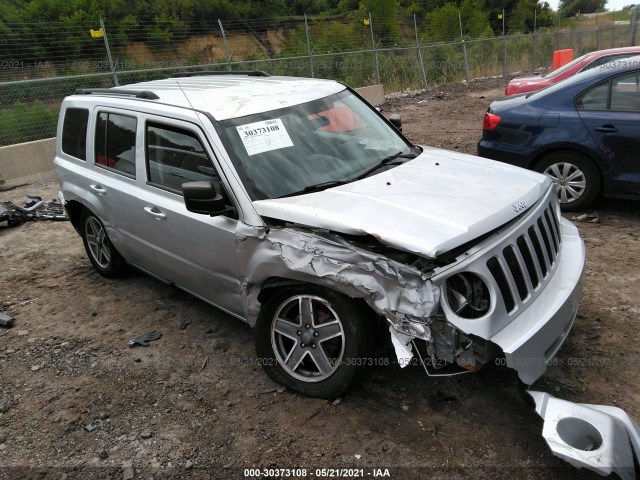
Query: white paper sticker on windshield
[264,136]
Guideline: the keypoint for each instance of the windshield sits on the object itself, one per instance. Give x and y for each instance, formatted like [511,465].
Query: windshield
[333,139]
[564,67]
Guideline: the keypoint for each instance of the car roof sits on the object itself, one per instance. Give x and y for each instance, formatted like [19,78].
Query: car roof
[226,96]
[589,77]
[612,51]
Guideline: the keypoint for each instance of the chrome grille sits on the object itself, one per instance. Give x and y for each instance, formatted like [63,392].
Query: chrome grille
[526,265]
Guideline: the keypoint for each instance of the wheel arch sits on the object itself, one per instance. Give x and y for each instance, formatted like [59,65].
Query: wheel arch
[74,211]
[273,284]
[572,148]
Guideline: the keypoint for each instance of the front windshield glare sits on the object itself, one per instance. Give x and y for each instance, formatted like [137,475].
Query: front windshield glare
[333,139]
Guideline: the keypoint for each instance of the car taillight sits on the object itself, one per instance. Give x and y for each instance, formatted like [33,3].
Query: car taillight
[491,121]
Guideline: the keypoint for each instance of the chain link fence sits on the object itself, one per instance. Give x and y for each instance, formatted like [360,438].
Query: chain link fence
[42,63]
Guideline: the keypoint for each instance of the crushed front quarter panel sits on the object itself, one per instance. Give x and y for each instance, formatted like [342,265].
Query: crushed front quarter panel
[393,290]
[597,437]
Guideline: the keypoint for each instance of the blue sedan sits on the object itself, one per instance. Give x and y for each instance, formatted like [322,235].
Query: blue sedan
[583,132]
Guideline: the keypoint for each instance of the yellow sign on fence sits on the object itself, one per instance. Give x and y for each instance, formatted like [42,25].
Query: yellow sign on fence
[96,33]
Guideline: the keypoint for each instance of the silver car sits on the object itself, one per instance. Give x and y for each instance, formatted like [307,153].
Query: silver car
[295,206]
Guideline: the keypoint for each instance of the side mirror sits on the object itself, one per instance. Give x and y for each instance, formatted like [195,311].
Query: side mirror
[201,197]
[396,121]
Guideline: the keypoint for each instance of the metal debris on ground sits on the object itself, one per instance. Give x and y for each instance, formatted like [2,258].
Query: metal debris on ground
[90,427]
[35,209]
[144,339]
[586,217]
[6,320]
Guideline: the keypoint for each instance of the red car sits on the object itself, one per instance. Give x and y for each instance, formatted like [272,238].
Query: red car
[585,62]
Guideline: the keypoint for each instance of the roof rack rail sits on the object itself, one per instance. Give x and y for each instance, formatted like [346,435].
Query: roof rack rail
[146,94]
[248,73]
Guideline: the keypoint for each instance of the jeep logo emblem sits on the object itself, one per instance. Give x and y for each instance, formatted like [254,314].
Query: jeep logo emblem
[518,207]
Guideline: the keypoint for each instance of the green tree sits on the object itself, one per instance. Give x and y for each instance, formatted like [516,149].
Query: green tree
[474,19]
[385,18]
[529,14]
[442,23]
[569,8]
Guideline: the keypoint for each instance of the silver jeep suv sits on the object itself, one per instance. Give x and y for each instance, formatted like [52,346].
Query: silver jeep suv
[295,206]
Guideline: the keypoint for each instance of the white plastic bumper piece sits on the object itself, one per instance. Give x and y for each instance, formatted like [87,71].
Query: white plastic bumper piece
[597,437]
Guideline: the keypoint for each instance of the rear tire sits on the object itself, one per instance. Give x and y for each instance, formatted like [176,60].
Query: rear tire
[312,340]
[103,255]
[575,176]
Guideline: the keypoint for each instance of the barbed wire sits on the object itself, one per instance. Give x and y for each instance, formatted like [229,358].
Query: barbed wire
[40,63]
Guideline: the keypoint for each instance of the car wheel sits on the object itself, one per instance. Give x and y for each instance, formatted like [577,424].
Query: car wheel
[575,176]
[101,252]
[312,340]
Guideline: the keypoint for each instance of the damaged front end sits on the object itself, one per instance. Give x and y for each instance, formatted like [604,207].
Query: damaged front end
[516,291]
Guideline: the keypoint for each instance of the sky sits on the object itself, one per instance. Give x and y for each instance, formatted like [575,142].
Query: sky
[612,5]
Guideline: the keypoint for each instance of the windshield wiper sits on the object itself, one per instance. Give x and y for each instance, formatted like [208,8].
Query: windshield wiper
[316,187]
[415,151]
[387,161]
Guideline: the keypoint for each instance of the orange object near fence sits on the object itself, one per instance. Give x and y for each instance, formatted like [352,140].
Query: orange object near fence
[561,57]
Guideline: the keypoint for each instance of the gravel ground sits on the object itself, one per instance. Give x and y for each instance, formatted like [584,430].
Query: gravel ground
[77,402]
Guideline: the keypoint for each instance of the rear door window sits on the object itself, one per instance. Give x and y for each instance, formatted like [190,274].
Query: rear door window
[625,93]
[621,93]
[74,132]
[115,144]
[595,98]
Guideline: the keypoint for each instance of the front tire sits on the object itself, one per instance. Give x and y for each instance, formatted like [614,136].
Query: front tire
[312,340]
[103,255]
[575,176]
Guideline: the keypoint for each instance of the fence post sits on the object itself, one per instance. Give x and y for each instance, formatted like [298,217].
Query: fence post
[504,55]
[464,50]
[558,36]
[597,32]
[309,52]
[106,44]
[534,42]
[613,30]
[375,49]
[424,74]
[571,38]
[634,27]
[226,49]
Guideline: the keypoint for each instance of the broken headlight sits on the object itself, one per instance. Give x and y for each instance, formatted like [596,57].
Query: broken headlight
[467,295]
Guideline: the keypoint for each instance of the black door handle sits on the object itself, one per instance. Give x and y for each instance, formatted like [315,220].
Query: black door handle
[608,128]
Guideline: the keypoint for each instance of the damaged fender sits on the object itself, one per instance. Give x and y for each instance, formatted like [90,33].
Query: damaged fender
[393,290]
[600,438]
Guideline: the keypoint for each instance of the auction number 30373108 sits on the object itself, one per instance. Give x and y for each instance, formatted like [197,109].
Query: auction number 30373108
[318,472]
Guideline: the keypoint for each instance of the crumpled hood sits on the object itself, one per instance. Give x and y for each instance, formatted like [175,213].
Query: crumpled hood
[428,206]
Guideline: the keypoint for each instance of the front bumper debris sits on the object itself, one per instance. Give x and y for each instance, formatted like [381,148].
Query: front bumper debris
[597,437]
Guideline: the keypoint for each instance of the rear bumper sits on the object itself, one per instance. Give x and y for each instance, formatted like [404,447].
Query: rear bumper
[531,341]
[512,154]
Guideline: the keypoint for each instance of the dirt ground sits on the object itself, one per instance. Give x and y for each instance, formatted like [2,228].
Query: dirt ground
[196,405]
